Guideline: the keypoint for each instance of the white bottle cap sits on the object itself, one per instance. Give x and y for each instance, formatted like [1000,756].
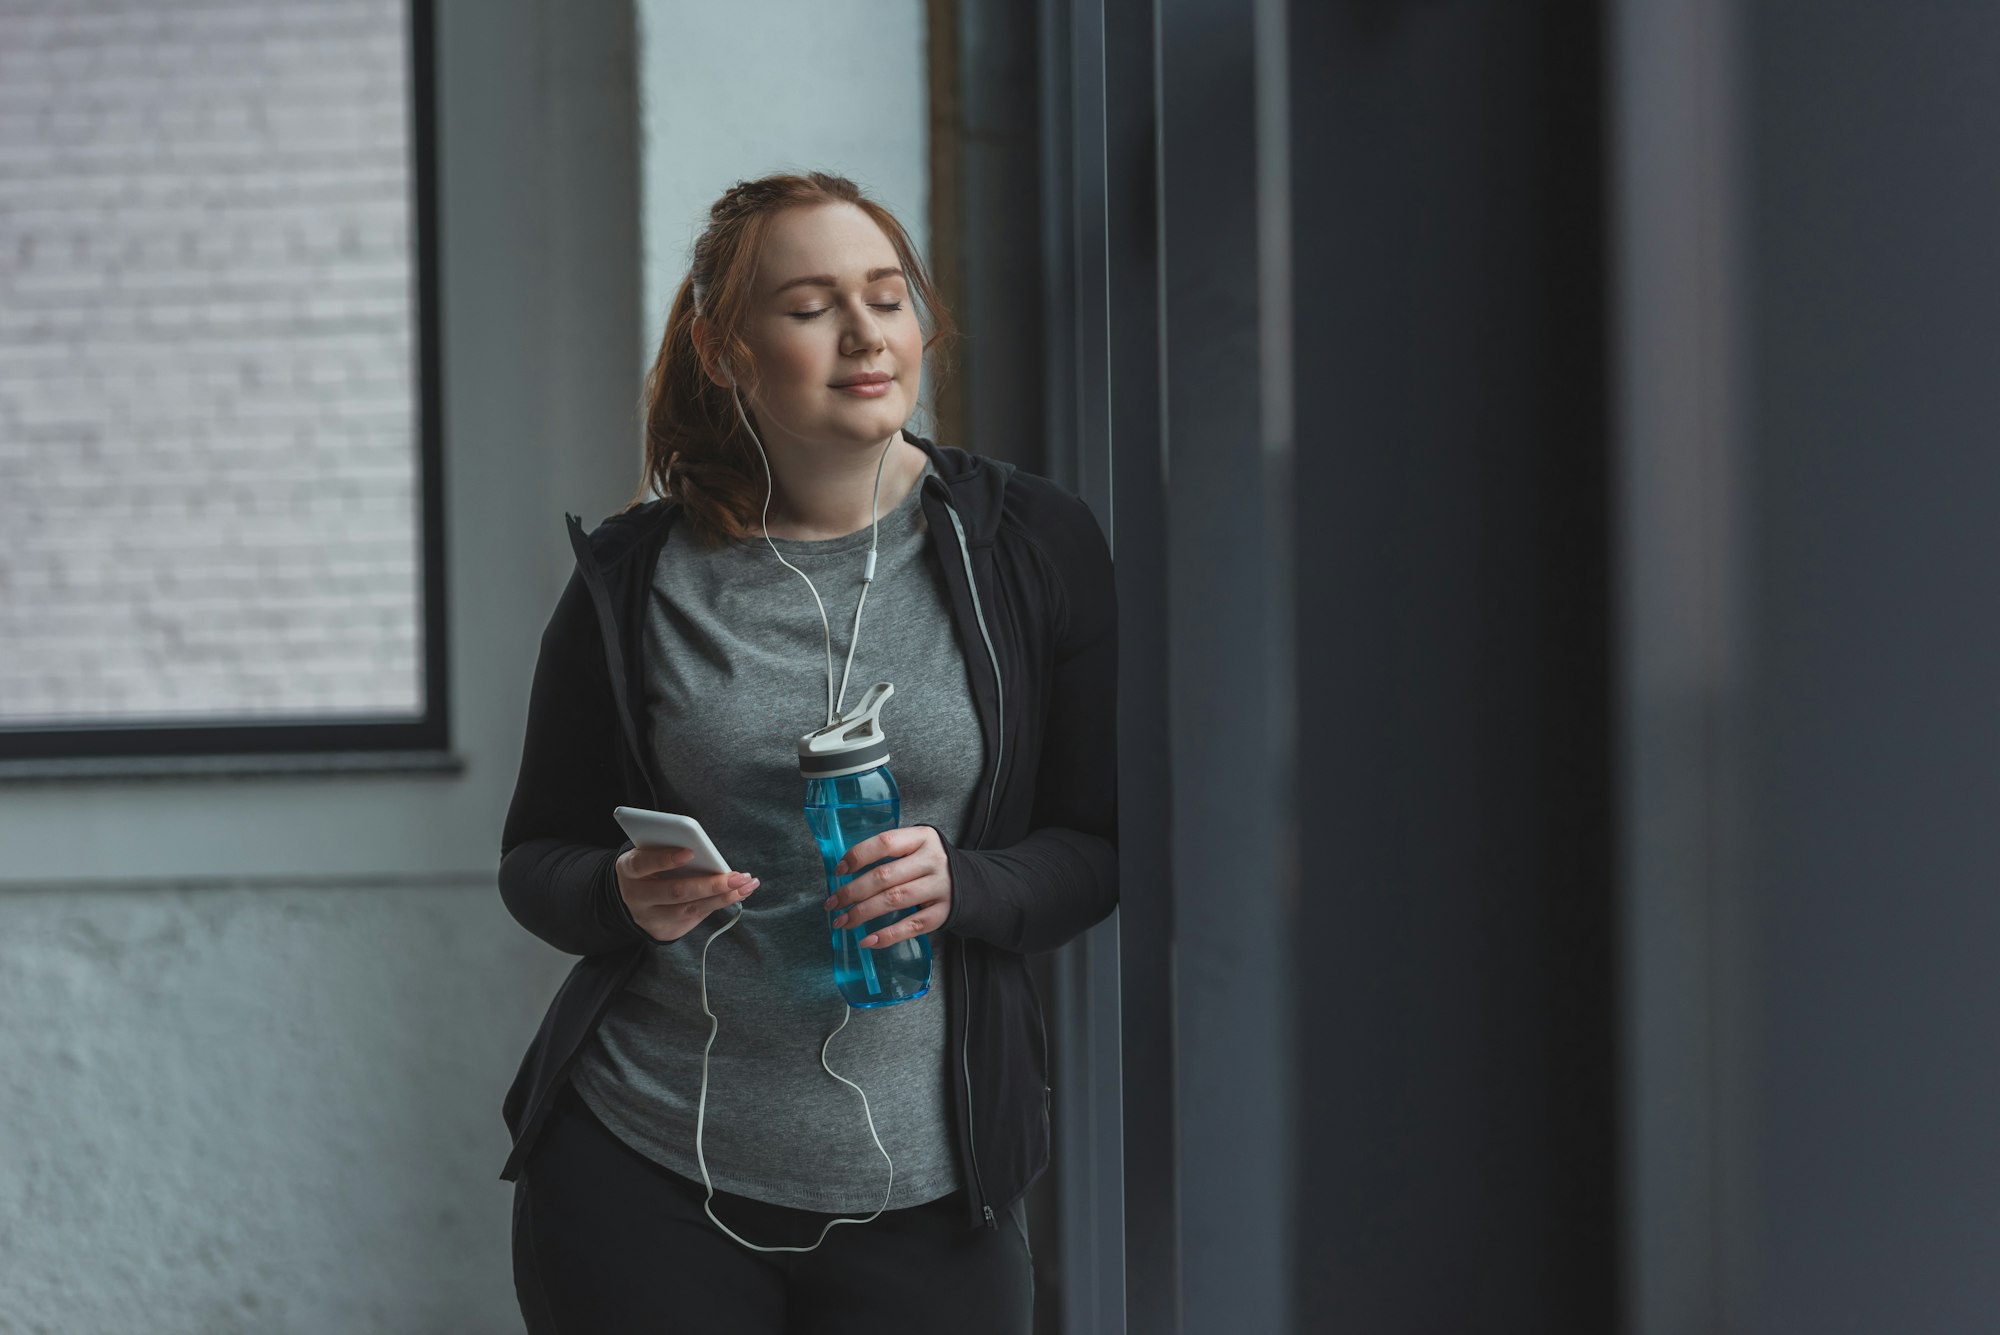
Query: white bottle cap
[851,743]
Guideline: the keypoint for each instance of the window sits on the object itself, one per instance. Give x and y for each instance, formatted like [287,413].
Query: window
[220,501]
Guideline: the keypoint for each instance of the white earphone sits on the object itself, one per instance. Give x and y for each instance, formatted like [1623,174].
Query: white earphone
[833,703]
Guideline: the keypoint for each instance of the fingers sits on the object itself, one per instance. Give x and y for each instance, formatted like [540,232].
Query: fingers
[863,853]
[924,920]
[694,910]
[877,882]
[922,888]
[669,919]
[668,867]
[896,843]
[653,861]
[916,881]
[668,881]
[696,887]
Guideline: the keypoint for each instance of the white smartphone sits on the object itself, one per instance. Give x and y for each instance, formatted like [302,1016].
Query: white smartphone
[664,829]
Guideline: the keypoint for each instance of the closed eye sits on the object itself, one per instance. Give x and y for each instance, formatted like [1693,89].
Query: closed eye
[814,315]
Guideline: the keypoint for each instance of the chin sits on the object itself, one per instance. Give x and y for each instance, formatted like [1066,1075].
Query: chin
[872,426]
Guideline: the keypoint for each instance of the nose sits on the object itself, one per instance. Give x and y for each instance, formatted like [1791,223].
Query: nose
[863,331]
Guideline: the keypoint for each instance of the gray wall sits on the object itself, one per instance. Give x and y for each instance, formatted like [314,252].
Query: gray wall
[1675,110]
[1451,935]
[254,1032]
[1873,722]
[845,92]
[1811,751]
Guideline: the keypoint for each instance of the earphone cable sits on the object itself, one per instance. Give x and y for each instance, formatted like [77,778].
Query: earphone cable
[833,701]
[701,1111]
[764,524]
[867,575]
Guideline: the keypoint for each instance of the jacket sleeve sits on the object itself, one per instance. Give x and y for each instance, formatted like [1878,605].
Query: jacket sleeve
[1062,878]
[560,844]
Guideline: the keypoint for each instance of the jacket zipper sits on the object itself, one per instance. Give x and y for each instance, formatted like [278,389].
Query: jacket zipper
[965,1060]
[999,687]
[993,791]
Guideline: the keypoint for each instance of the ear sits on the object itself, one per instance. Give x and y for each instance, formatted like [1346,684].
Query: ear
[703,334]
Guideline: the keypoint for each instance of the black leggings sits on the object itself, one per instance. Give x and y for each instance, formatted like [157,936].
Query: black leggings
[608,1242]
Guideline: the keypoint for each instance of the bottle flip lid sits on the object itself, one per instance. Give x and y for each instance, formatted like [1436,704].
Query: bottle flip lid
[851,743]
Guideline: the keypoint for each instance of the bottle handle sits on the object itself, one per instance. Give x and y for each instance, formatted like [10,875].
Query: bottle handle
[859,725]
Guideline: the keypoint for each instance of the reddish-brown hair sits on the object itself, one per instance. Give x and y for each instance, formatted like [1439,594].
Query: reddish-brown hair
[696,451]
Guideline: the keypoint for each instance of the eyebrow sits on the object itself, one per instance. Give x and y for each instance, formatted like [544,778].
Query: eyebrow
[826,279]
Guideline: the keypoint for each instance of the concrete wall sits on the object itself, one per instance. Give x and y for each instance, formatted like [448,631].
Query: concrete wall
[254,1032]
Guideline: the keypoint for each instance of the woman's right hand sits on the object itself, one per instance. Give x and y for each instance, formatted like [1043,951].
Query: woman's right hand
[667,899]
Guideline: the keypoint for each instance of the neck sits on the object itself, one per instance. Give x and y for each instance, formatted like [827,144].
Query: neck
[820,492]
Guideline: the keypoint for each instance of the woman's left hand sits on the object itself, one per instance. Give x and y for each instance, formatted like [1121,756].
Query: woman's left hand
[918,876]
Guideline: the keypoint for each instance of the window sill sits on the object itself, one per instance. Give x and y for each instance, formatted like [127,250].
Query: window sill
[304,765]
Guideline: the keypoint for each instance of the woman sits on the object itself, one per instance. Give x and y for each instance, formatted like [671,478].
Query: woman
[673,1176]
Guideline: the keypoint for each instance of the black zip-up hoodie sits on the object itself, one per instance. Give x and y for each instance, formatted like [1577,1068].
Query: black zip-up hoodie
[1030,584]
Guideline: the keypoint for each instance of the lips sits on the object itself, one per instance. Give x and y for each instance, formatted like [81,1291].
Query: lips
[865,378]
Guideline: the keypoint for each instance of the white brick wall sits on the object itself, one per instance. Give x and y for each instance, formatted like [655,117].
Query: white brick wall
[208,490]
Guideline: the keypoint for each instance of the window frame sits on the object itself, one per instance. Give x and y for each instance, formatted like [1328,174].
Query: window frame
[389,742]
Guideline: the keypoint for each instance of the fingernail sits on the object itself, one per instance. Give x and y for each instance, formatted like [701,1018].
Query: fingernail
[739,879]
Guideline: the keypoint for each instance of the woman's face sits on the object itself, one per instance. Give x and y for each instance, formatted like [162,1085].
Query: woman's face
[831,305]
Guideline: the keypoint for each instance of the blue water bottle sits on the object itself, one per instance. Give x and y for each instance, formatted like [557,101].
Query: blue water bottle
[851,797]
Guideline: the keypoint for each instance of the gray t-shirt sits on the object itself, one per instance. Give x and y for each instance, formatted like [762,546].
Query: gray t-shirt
[736,673]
